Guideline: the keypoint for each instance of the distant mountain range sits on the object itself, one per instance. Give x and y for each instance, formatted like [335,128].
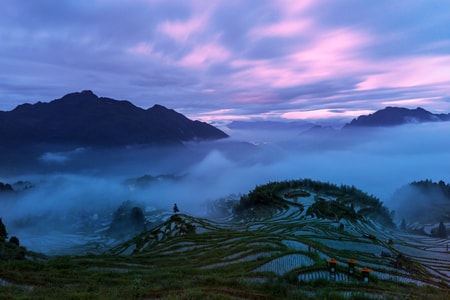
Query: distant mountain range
[270,125]
[387,117]
[84,119]
[393,116]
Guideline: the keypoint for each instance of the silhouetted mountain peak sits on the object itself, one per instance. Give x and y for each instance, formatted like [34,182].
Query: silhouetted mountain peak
[159,107]
[79,97]
[83,118]
[392,116]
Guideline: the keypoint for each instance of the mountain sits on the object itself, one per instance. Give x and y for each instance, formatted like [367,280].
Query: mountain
[88,120]
[269,125]
[392,116]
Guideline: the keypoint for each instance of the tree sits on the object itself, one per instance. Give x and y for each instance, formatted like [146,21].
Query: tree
[3,233]
[403,224]
[175,209]
[137,218]
[127,219]
[442,231]
[6,187]
[14,240]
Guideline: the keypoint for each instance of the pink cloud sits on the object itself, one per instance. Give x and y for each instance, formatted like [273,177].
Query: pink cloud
[266,73]
[291,8]
[189,30]
[288,28]
[408,72]
[227,115]
[145,51]
[219,116]
[205,55]
[414,102]
[254,97]
[324,114]
[293,20]
[182,31]
[338,45]
[330,55]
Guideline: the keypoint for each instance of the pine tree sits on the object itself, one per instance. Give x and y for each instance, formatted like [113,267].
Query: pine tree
[137,218]
[403,224]
[442,231]
[3,233]
[14,240]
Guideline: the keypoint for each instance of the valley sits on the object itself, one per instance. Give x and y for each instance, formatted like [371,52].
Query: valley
[273,250]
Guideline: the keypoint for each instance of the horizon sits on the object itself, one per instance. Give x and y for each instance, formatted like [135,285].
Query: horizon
[225,61]
[332,121]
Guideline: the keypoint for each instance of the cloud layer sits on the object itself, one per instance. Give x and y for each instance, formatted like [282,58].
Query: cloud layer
[230,59]
[87,182]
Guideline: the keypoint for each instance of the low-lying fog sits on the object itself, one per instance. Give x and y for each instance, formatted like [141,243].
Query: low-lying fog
[68,184]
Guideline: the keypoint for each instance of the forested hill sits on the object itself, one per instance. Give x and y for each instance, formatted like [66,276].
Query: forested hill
[423,201]
[330,201]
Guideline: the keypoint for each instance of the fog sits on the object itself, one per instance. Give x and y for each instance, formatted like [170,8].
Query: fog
[70,182]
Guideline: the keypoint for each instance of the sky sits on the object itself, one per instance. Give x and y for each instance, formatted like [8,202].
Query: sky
[225,60]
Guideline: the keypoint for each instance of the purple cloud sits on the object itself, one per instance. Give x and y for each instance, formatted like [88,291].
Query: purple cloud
[230,59]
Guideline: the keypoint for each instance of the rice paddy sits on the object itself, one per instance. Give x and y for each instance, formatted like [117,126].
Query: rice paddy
[281,256]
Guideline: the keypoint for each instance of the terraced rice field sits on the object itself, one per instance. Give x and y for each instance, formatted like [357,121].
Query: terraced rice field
[238,260]
[307,242]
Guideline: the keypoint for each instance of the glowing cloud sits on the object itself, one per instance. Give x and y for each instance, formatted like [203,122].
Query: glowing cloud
[205,55]
[282,29]
[257,56]
[409,72]
[325,114]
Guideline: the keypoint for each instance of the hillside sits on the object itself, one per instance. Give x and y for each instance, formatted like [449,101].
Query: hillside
[84,119]
[275,250]
[430,197]
[393,116]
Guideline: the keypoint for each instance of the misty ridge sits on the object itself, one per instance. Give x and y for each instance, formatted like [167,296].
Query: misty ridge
[56,188]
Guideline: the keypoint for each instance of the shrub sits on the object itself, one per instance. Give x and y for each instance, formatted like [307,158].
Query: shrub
[14,240]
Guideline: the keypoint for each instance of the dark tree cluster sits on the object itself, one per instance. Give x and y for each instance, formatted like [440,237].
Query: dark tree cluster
[431,201]
[223,206]
[184,226]
[403,224]
[440,231]
[128,219]
[333,210]
[12,249]
[262,200]
[267,197]
[5,187]
[3,232]
[431,186]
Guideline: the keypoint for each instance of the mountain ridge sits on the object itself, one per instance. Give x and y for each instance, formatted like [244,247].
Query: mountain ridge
[394,116]
[83,118]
